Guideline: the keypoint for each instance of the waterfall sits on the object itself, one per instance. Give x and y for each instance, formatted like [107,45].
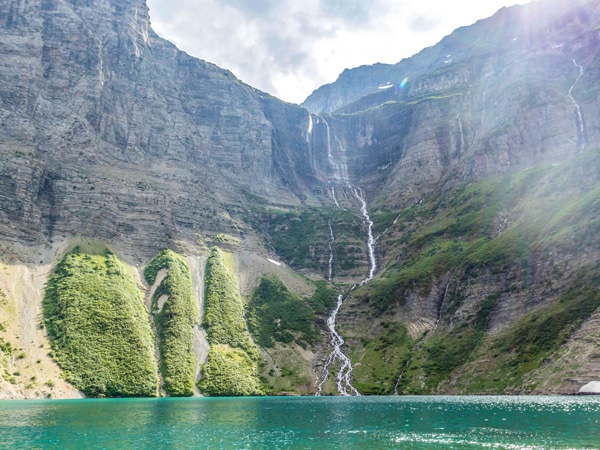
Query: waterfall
[310,142]
[343,379]
[483,101]
[579,120]
[339,168]
[408,361]
[334,196]
[343,165]
[329,155]
[370,240]
[331,242]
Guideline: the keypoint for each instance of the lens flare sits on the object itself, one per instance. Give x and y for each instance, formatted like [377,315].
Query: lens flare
[402,83]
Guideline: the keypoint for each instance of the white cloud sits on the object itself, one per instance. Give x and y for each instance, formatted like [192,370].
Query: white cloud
[289,48]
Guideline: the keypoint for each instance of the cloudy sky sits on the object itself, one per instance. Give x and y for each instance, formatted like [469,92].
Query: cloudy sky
[291,47]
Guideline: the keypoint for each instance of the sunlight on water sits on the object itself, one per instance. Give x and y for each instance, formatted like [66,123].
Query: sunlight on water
[306,422]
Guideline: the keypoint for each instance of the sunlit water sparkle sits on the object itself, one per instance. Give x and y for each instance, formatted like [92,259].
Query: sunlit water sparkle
[304,422]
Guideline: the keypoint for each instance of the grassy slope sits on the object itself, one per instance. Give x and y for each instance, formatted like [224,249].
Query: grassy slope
[301,237]
[175,322]
[231,368]
[276,314]
[285,326]
[550,211]
[99,328]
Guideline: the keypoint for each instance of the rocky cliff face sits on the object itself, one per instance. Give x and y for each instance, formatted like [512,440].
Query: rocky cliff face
[90,96]
[493,34]
[479,174]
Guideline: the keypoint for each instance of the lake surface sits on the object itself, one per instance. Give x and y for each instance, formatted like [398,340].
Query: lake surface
[303,422]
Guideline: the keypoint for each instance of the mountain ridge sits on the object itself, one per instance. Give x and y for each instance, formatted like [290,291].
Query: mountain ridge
[474,183]
[499,30]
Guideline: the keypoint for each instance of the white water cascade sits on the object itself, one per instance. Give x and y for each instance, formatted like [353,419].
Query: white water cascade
[334,197]
[342,166]
[370,239]
[339,167]
[343,377]
[580,124]
[331,242]
[310,141]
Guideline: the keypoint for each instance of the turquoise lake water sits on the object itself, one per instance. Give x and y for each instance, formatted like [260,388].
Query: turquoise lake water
[303,422]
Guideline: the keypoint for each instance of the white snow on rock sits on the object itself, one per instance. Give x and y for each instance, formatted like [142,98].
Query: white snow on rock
[593,387]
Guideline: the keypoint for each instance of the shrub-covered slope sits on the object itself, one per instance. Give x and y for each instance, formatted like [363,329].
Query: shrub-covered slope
[231,368]
[276,314]
[174,318]
[99,328]
[286,326]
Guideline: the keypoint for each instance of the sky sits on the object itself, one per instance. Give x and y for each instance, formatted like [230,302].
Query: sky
[289,48]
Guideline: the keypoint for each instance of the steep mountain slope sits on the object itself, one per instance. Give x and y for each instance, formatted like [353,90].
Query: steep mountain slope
[91,95]
[516,26]
[452,217]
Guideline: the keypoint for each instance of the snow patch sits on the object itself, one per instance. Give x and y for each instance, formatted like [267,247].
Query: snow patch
[593,387]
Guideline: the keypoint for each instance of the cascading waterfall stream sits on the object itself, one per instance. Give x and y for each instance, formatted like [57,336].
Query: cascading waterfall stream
[580,123]
[309,141]
[370,239]
[343,378]
[342,166]
[331,242]
[334,197]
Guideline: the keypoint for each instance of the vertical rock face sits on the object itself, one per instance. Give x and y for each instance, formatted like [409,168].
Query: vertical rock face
[499,101]
[109,130]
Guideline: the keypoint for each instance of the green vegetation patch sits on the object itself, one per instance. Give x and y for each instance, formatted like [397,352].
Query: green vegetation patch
[377,362]
[174,322]
[323,299]
[231,347]
[444,353]
[287,369]
[224,310]
[6,347]
[99,328]
[301,238]
[276,314]
[465,229]
[229,372]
